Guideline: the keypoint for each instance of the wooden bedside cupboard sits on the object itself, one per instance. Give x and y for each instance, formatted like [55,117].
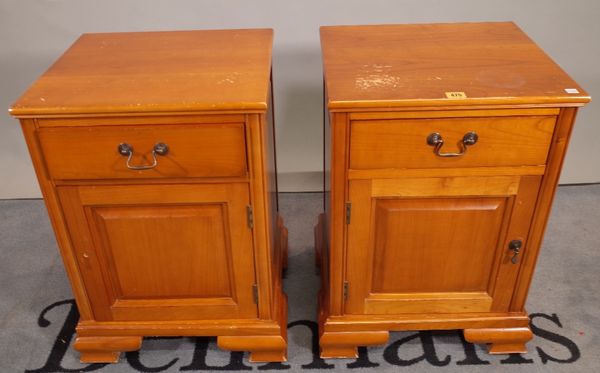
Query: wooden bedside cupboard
[155,154]
[443,148]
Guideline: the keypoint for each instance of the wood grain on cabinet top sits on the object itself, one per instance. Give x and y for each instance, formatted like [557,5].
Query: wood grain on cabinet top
[493,63]
[150,72]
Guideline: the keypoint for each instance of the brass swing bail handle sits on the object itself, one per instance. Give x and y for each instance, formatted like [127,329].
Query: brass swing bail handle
[127,150]
[436,140]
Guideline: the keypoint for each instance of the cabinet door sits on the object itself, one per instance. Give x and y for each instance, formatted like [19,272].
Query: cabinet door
[163,252]
[436,245]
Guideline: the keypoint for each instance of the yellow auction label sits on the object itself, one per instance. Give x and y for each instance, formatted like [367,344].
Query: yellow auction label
[456,95]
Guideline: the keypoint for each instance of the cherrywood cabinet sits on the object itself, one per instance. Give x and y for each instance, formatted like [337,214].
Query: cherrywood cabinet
[155,154]
[443,147]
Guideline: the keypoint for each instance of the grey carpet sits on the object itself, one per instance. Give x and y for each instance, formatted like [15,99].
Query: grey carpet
[37,313]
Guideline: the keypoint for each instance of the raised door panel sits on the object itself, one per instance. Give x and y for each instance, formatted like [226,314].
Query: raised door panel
[157,252]
[449,237]
[436,245]
[152,252]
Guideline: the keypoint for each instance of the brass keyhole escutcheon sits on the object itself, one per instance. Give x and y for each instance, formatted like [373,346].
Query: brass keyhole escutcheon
[515,247]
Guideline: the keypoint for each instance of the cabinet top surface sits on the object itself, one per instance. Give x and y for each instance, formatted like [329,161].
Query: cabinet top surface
[137,72]
[492,63]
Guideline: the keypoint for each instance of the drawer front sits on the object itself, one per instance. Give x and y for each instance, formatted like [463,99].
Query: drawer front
[501,141]
[204,150]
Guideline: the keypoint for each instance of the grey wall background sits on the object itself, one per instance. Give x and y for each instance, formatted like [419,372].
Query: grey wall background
[35,32]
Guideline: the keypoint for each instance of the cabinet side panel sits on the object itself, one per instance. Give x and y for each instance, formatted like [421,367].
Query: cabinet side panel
[278,252]
[271,141]
[326,155]
[336,211]
[263,219]
[556,157]
[29,127]
[278,243]
[270,165]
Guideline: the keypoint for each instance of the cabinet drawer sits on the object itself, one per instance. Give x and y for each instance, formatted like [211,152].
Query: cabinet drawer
[501,141]
[204,150]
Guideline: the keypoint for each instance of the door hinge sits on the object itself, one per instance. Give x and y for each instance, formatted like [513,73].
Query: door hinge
[255,293]
[345,290]
[348,212]
[250,216]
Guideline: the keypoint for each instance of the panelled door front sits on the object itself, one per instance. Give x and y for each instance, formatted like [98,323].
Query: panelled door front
[436,245]
[163,252]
